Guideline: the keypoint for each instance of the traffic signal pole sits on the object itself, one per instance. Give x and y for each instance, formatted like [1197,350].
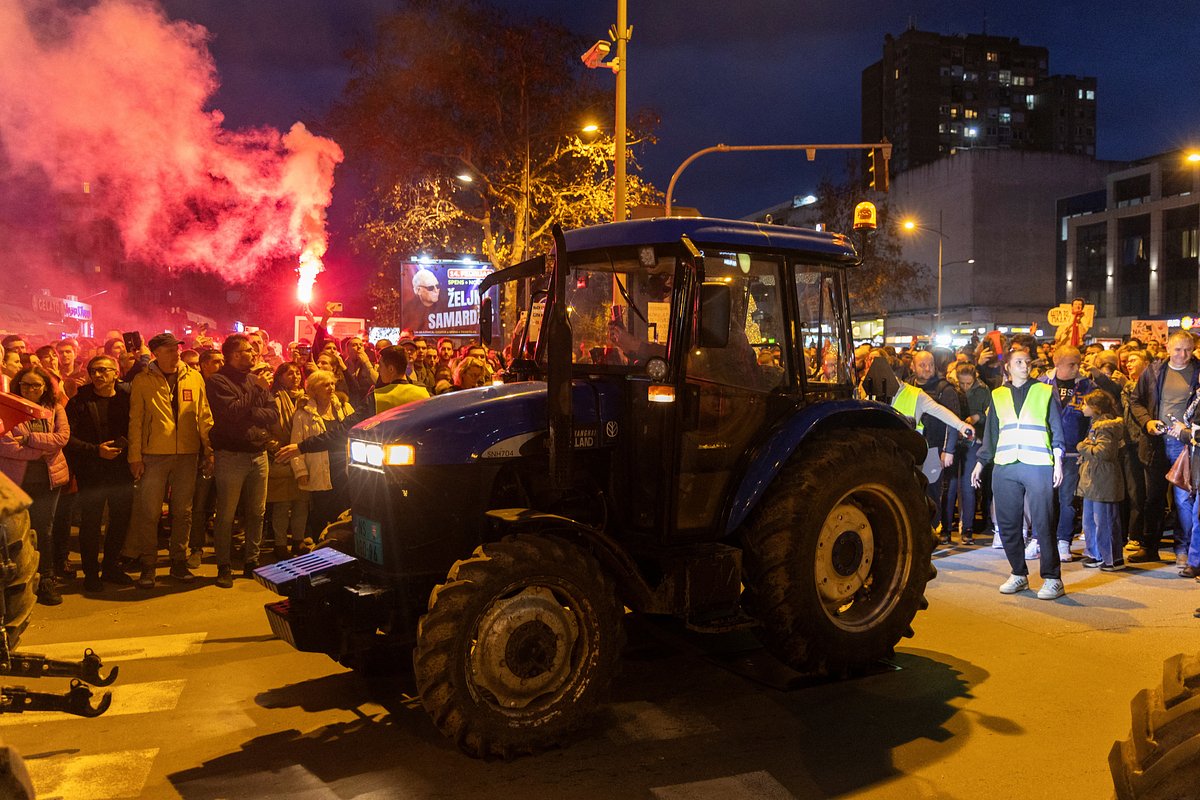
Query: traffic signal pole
[810,150]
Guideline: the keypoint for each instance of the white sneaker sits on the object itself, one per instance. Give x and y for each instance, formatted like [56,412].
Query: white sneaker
[1064,551]
[1015,583]
[1032,550]
[996,543]
[1052,589]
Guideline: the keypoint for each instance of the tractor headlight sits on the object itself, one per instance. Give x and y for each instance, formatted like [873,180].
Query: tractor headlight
[373,455]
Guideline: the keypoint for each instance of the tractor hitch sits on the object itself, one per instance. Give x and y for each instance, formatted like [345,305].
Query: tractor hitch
[31,665]
[77,701]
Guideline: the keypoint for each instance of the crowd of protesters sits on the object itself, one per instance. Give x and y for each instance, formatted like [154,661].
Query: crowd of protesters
[235,436]
[1029,443]
[1035,444]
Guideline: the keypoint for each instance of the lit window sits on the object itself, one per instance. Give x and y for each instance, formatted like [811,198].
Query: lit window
[1029,100]
[1006,77]
[1091,94]
[953,112]
[970,133]
[970,113]
[993,56]
[1005,118]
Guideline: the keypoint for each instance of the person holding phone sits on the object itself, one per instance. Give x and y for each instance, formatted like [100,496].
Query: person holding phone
[1163,391]
[98,416]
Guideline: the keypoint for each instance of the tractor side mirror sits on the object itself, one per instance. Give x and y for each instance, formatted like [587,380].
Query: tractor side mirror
[714,315]
[485,321]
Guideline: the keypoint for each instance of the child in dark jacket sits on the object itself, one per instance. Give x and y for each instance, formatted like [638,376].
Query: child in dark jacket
[1101,481]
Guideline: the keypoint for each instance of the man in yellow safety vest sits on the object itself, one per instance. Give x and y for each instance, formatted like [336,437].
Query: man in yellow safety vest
[1024,438]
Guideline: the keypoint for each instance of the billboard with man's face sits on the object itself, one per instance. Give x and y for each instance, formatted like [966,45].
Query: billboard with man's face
[440,297]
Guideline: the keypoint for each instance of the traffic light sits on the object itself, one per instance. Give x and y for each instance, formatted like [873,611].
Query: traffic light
[877,169]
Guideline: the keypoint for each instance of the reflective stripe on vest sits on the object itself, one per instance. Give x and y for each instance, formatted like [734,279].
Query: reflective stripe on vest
[1024,437]
[905,402]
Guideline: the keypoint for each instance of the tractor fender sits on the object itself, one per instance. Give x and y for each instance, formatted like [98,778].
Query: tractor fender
[765,459]
[614,558]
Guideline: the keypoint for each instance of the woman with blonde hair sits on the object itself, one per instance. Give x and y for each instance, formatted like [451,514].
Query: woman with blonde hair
[471,372]
[319,430]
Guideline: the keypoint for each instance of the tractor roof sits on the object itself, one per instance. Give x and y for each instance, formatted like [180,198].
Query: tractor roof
[720,232]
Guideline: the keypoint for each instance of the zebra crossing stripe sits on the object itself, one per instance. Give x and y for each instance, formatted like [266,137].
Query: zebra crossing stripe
[105,776]
[115,651]
[747,786]
[641,721]
[132,698]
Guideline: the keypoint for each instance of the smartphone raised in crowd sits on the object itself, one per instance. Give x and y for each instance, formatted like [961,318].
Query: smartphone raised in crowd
[133,341]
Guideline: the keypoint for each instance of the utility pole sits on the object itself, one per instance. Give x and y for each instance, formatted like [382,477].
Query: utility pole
[623,33]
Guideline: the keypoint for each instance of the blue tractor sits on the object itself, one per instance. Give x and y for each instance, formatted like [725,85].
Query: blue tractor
[677,435]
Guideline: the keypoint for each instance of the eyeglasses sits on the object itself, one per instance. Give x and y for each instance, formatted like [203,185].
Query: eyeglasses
[101,370]
[38,386]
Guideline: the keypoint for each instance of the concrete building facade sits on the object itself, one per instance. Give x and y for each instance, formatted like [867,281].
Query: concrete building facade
[1132,247]
[998,208]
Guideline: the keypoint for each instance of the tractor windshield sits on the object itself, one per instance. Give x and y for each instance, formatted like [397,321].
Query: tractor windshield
[620,311]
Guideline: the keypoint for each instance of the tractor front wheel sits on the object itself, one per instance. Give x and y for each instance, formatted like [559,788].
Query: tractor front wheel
[519,645]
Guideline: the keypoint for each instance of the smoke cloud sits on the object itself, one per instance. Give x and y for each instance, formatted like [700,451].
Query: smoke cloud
[113,97]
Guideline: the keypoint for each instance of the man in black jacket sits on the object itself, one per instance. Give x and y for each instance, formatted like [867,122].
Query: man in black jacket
[99,418]
[242,416]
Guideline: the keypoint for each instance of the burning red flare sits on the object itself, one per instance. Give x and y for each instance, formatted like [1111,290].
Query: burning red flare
[310,266]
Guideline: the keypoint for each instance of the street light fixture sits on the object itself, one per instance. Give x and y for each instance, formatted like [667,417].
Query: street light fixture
[913,225]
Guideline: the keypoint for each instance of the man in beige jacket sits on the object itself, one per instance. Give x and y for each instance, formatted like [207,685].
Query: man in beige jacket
[169,421]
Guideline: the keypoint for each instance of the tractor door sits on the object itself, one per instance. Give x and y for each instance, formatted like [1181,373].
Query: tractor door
[731,393]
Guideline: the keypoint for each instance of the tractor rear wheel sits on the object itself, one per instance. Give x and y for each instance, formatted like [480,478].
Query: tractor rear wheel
[519,645]
[837,554]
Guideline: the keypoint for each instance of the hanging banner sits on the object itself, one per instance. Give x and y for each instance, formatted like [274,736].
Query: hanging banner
[440,297]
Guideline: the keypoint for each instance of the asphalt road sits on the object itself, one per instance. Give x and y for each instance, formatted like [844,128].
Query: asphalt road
[995,696]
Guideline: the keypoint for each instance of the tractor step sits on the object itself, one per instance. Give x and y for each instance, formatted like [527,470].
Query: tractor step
[307,574]
[737,621]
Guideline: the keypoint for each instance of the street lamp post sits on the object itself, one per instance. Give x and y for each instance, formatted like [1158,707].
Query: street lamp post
[911,225]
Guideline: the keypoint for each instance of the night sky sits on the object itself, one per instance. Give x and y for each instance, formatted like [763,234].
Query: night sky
[770,72]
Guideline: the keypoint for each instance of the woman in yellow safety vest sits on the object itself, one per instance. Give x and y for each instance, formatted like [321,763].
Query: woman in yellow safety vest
[1024,438]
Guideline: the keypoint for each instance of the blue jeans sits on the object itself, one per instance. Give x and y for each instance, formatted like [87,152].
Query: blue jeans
[1101,524]
[236,475]
[1066,499]
[961,489]
[1185,504]
[41,516]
